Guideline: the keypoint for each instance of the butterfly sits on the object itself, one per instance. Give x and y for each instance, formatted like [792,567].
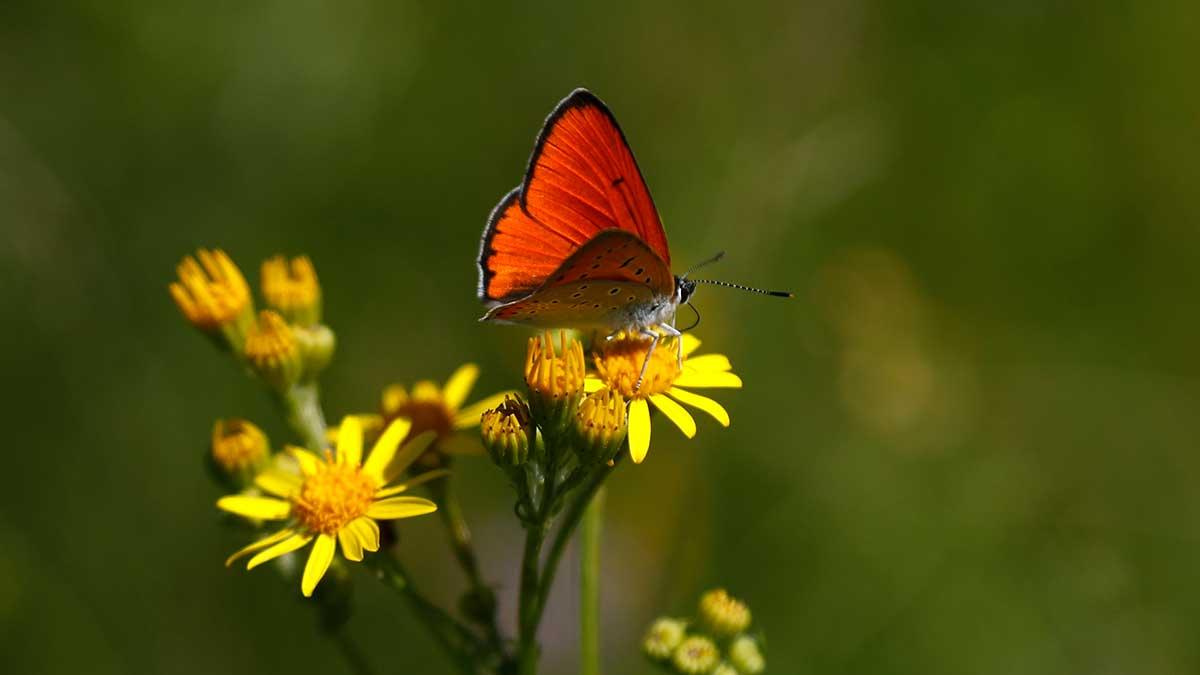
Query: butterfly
[579,243]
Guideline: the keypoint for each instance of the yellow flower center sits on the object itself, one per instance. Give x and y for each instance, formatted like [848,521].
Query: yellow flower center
[238,445]
[550,374]
[333,496]
[290,287]
[211,293]
[425,408]
[619,363]
[270,342]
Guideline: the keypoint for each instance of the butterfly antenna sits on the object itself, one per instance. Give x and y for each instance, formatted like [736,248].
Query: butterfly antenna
[708,261]
[740,287]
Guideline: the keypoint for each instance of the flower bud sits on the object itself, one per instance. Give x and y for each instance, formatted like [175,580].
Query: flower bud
[317,344]
[555,380]
[239,449]
[724,669]
[697,655]
[272,351]
[600,426]
[723,614]
[213,296]
[664,636]
[744,654]
[291,288]
[508,432]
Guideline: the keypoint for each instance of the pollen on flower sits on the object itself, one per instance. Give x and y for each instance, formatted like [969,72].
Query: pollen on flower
[334,495]
[556,375]
[211,293]
[619,363]
[238,445]
[292,288]
[271,348]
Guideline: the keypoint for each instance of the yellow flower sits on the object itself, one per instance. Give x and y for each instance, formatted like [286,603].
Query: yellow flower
[292,288]
[238,446]
[272,350]
[555,380]
[335,499]
[440,409]
[600,426]
[663,637]
[619,363]
[212,294]
[724,614]
[696,655]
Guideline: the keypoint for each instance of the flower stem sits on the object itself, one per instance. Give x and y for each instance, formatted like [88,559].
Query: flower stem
[589,586]
[451,513]
[302,403]
[574,514]
[529,613]
[460,644]
[352,653]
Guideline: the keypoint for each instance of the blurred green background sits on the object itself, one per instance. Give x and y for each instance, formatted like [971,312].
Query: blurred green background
[968,446]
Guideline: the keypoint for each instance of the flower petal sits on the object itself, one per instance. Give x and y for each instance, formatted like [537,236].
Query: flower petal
[690,343]
[350,440]
[408,454]
[461,444]
[708,362]
[279,483]
[367,532]
[351,547]
[259,545]
[400,507]
[676,413]
[708,379]
[385,448]
[258,508]
[307,460]
[592,384]
[410,484]
[703,403]
[318,562]
[639,429]
[288,545]
[469,416]
[459,385]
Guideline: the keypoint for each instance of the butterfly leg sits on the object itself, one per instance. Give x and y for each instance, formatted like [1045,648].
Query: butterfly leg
[675,333]
[654,336]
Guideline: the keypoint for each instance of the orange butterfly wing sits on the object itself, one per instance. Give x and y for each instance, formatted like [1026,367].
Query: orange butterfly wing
[582,179]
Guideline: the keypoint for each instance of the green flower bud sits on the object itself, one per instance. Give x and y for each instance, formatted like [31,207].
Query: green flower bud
[317,344]
[697,655]
[724,669]
[723,614]
[600,426]
[745,655]
[664,636]
[508,432]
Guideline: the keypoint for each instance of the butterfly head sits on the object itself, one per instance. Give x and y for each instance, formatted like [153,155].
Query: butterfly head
[684,288]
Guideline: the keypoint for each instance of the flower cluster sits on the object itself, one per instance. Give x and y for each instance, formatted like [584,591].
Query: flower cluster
[716,642]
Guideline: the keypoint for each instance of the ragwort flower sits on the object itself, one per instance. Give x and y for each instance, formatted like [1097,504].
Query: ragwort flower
[335,499]
[619,363]
[440,409]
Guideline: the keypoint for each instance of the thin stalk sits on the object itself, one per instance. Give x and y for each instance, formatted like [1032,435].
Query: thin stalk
[589,586]
[352,653]
[459,643]
[302,404]
[529,613]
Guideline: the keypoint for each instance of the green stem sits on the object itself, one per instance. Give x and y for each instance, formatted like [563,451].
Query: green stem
[302,404]
[352,653]
[589,586]
[529,612]
[459,643]
[451,513]
[559,544]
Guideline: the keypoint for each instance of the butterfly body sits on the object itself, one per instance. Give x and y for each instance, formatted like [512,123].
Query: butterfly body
[579,243]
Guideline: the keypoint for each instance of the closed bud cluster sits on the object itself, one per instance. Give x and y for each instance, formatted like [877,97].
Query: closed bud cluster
[696,655]
[745,655]
[239,449]
[273,352]
[508,432]
[291,288]
[555,380]
[213,296]
[664,636]
[600,426]
[723,614]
